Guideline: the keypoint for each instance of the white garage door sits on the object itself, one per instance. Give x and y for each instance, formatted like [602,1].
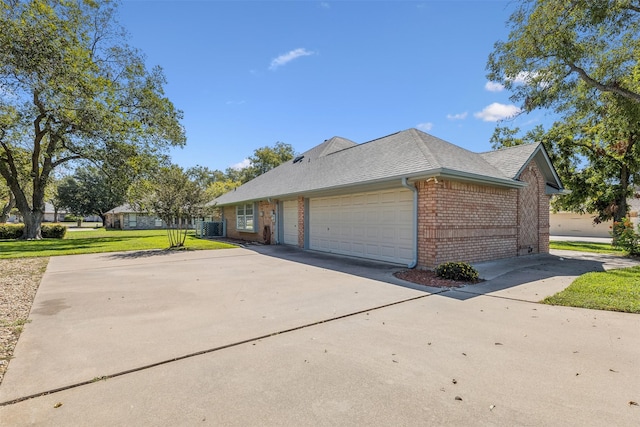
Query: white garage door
[375,225]
[290,220]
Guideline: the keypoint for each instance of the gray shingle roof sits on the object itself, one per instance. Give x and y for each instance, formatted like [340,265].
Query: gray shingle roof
[339,163]
[121,209]
[511,160]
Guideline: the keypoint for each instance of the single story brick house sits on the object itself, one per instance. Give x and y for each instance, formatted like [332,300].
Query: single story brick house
[407,198]
[127,218]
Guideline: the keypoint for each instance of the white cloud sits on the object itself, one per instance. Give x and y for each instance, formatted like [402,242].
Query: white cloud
[526,77]
[523,77]
[243,164]
[325,5]
[493,87]
[288,57]
[459,116]
[425,126]
[496,112]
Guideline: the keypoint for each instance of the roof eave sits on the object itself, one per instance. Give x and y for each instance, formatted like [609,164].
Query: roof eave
[434,173]
[543,151]
[480,179]
[552,191]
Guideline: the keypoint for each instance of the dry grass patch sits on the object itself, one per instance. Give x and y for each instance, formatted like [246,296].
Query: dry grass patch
[19,281]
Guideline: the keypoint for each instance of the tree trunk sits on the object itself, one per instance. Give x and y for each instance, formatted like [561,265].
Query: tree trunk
[32,217]
[32,224]
[621,198]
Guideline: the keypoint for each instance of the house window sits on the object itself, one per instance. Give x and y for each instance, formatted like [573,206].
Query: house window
[158,222]
[245,219]
[133,222]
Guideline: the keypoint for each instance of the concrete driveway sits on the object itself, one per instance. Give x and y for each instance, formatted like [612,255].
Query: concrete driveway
[275,336]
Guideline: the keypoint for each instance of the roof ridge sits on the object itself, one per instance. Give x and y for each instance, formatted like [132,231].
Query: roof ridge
[428,154]
[526,144]
[332,142]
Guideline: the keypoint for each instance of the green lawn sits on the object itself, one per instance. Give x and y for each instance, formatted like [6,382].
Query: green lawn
[602,248]
[614,290]
[99,240]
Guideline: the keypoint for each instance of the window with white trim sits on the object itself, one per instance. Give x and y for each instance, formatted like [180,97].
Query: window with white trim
[245,218]
[133,221]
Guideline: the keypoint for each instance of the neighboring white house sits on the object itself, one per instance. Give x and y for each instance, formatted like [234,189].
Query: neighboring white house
[582,225]
[50,215]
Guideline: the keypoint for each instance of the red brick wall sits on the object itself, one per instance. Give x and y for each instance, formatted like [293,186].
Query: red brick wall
[265,219]
[533,212]
[263,215]
[465,222]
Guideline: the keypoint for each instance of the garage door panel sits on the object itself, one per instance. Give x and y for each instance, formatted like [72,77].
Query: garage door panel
[388,251]
[375,225]
[389,198]
[359,200]
[372,250]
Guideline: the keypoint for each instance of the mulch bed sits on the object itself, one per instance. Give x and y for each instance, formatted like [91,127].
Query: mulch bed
[428,278]
[19,281]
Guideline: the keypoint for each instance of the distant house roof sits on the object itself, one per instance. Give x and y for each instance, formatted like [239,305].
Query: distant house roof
[339,163]
[121,209]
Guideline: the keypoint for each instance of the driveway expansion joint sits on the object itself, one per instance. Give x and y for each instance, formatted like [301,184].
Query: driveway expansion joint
[203,352]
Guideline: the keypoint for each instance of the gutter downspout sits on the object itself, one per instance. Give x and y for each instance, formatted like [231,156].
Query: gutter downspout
[413,262]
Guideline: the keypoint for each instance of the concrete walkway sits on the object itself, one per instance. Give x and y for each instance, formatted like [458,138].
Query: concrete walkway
[271,336]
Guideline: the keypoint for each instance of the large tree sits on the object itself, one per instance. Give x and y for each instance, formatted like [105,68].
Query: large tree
[70,89]
[90,191]
[579,59]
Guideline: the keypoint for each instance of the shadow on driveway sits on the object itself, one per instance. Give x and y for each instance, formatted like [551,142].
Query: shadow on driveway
[141,254]
[375,270]
[559,267]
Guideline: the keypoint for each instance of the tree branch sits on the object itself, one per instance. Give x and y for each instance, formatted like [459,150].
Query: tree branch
[65,160]
[603,87]
[633,7]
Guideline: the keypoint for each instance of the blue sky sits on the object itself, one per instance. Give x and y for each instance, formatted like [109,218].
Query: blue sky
[248,74]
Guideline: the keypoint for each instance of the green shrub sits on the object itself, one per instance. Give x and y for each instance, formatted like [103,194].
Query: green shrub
[459,271]
[14,231]
[625,237]
[55,231]
[11,231]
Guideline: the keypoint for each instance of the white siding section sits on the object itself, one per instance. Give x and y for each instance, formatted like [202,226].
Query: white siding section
[376,225]
[290,219]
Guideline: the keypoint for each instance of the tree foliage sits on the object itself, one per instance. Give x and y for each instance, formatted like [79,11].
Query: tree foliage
[70,89]
[263,160]
[7,202]
[580,59]
[556,45]
[266,158]
[174,198]
[89,192]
